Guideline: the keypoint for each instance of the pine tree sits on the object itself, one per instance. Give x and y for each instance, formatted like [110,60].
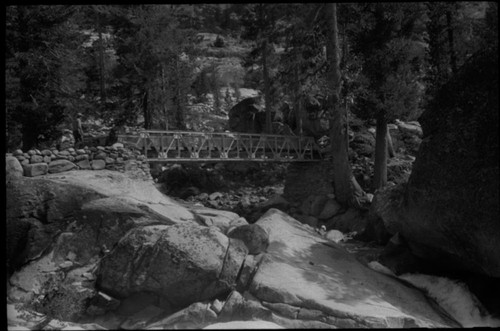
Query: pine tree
[390,43]
[44,72]
[347,190]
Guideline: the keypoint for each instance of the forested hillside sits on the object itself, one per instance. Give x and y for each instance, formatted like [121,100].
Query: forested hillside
[149,65]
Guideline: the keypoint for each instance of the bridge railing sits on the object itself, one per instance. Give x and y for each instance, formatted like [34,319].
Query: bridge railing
[230,146]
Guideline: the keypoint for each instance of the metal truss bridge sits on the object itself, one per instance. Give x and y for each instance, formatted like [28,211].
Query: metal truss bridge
[188,146]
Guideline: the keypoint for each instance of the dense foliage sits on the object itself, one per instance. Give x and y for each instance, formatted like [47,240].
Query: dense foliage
[142,64]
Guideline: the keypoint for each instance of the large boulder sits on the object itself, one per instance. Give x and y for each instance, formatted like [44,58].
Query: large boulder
[100,224]
[245,117]
[448,212]
[182,263]
[306,277]
[13,167]
[253,236]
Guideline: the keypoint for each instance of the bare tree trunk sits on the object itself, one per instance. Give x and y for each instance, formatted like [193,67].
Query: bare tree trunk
[346,187]
[266,87]
[380,167]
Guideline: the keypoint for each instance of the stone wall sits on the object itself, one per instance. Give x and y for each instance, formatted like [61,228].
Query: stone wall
[116,157]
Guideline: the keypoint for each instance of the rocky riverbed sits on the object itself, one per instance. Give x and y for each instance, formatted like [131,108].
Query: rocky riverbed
[101,250]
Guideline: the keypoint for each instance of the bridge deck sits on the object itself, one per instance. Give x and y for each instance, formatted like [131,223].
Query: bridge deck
[187,146]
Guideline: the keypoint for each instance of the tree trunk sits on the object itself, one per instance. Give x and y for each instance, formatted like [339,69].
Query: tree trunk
[101,62]
[390,146]
[342,64]
[380,167]
[179,115]
[297,104]
[453,55]
[265,72]
[179,118]
[345,185]
[164,97]
[266,87]
[145,109]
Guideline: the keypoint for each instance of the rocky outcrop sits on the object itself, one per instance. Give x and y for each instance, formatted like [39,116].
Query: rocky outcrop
[307,281]
[100,224]
[448,212]
[129,257]
[61,226]
[85,209]
[181,263]
[302,281]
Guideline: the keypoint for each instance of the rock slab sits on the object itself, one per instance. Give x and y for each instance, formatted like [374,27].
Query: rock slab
[304,270]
